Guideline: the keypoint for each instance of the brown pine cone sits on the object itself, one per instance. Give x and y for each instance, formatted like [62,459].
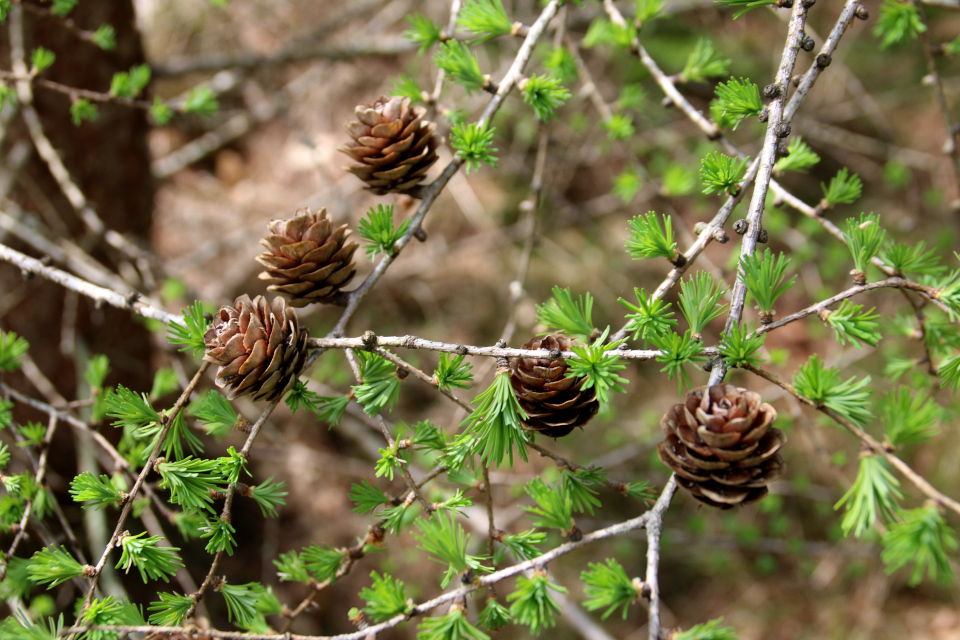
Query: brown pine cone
[307,259]
[392,144]
[554,403]
[260,349]
[721,446]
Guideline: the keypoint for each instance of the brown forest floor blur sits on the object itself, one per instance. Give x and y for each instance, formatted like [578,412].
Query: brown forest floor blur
[776,570]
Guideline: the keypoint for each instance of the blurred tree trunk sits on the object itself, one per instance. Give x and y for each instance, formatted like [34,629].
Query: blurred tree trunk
[109,161]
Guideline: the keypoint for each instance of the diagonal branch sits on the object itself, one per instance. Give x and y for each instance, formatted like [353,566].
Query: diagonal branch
[429,194]
[877,447]
[147,468]
[129,302]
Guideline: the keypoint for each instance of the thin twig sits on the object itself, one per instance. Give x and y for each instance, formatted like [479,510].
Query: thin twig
[877,447]
[654,528]
[373,536]
[921,333]
[413,342]
[385,430]
[429,194]
[120,463]
[228,502]
[38,481]
[132,494]
[491,527]
[889,283]
[83,287]
[776,131]
[561,462]
[420,375]
[448,33]
[953,132]
[62,251]
[66,21]
[357,48]
[620,528]
[530,209]
[820,62]
[58,170]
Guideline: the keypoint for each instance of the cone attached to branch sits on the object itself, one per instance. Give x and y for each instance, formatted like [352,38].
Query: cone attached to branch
[555,404]
[259,348]
[721,445]
[392,144]
[306,258]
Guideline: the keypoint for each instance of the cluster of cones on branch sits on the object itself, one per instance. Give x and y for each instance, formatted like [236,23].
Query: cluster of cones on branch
[259,347]
[719,441]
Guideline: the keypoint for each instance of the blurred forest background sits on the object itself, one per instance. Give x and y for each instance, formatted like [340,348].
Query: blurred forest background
[196,195]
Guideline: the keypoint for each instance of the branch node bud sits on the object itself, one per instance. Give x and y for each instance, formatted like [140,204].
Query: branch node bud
[369,339]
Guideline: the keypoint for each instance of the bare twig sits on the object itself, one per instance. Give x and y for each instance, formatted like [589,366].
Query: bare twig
[120,463]
[360,47]
[529,208]
[50,156]
[66,21]
[88,289]
[413,342]
[62,251]
[654,531]
[420,375]
[823,59]
[950,146]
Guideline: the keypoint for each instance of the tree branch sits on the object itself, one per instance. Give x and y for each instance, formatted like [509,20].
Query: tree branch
[620,528]
[877,447]
[777,129]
